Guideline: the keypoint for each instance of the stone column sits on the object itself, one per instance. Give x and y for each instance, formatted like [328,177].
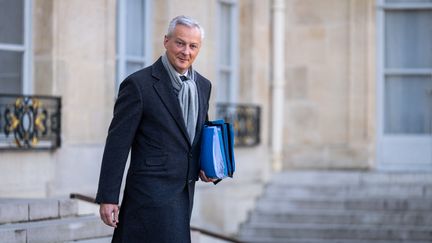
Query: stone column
[278,71]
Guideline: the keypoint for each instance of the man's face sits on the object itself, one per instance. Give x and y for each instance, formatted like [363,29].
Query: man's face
[182,47]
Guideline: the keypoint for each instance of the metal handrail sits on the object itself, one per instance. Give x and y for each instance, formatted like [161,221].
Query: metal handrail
[215,235]
[193,228]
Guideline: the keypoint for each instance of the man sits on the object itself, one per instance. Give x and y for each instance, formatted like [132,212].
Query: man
[158,116]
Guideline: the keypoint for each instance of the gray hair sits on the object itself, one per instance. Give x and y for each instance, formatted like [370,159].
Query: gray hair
[186,21]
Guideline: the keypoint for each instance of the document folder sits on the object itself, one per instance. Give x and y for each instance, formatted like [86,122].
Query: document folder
[217,150]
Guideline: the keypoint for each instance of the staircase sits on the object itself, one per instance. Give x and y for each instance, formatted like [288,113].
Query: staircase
[48,220]
[342,207]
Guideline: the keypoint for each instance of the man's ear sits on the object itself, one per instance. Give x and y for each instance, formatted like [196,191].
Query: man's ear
[165,40]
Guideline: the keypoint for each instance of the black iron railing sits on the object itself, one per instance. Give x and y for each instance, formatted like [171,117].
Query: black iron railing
[246,120]
[29,122]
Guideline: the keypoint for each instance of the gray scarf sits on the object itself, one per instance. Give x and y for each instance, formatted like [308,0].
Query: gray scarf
[187,96]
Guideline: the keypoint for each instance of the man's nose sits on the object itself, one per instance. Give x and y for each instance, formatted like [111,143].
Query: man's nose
[186,50]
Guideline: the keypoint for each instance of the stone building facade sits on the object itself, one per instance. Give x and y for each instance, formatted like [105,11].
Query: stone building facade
[333,86]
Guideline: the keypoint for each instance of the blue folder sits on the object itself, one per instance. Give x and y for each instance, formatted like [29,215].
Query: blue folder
[217,150]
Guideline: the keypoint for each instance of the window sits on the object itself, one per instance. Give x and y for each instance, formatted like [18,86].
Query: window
[15,47]
[228,54]
[406,66]
[404,84]
[133,37]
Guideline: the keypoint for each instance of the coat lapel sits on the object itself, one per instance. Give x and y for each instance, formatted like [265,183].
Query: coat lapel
[165,91]
[201,113]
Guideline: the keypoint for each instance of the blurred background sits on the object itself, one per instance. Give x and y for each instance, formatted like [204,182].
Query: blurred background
[331,101]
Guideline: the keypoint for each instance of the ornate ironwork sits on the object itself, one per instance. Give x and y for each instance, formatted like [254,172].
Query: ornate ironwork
[245,119]
[29,122]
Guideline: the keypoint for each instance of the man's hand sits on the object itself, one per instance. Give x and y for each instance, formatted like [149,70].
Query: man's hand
[109,214]
[204,178]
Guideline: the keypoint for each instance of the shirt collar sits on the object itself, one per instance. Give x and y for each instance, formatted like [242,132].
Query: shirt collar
[185,74]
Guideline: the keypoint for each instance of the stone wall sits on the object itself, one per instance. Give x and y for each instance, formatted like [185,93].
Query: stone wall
[74,57]
[329,84]
[329,115]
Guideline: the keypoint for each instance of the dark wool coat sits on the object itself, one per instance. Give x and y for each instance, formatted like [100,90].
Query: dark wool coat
[158,196]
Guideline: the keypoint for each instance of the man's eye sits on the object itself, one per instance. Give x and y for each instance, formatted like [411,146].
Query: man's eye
[193,47]
[179,43]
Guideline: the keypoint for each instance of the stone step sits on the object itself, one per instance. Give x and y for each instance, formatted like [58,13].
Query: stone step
[274,240]
[55,230]
[279,204]
[348,207]
[366,178]
[336,232]
[23,210]
[342,191]
[359,217]
[98,240]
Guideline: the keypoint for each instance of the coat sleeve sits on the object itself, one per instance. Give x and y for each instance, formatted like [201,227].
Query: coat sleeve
[121,133]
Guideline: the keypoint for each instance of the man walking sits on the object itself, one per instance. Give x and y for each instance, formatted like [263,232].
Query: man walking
[158,116]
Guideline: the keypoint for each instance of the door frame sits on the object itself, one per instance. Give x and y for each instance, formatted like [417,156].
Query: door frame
[417,140]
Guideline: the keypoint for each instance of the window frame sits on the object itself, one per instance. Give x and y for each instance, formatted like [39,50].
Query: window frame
[382,71]
[26,49]
[231,69]
[413,149]
[121,56]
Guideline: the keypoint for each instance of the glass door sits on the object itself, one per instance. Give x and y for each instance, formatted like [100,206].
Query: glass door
[405,84]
